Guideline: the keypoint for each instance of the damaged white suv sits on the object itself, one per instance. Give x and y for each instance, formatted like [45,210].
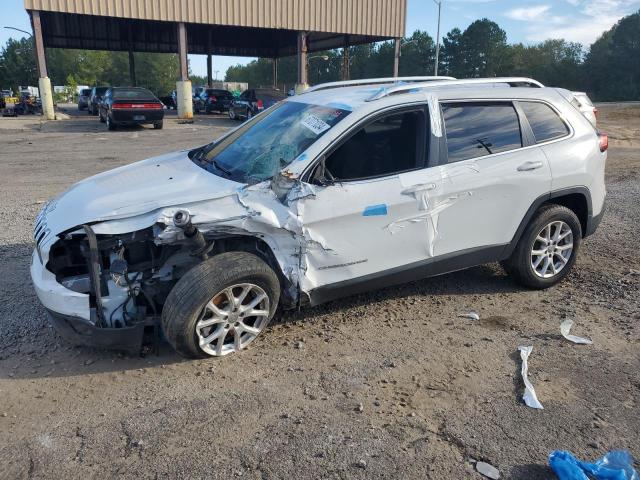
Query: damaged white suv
[345,188]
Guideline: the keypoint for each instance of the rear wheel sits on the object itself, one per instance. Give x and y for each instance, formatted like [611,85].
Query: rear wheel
[547,250]
[221,305]
[158,125]
[249,114]
[232,114]
[100,117]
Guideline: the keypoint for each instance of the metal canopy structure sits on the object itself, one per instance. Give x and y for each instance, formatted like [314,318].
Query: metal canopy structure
[252,28]
[88,32]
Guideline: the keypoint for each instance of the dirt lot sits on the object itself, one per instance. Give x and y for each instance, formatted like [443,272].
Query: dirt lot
[390,384]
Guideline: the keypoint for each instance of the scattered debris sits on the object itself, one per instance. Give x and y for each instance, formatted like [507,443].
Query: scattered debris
[529,397]
[617,464]
[488,470]
[359,408]
[471,315]
[360,464]
[565,328]
[89,361]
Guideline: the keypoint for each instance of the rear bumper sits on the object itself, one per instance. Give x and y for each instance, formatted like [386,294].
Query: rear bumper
[594,221]
[79,332]
[128,116]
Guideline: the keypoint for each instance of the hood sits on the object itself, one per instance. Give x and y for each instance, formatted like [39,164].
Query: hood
[135,189]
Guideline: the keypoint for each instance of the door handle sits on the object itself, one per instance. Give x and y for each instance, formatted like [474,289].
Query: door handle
[526,166]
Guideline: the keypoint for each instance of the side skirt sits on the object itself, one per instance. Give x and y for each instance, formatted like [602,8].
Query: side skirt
[408,273]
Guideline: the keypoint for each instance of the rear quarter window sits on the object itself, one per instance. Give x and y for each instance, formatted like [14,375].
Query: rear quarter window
[545,122]
[479,129]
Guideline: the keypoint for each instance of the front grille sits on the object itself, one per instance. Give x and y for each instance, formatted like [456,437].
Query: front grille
[40,229]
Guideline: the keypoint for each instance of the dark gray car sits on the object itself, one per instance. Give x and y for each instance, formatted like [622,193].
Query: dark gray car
[95,98]
[83,98]
[253,101]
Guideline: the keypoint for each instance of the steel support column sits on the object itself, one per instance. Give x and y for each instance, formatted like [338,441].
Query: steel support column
[209,60]
[346,61]
[184,95]
[274,65]
[303,74]
[132,60]
[182,51]
[44,83]
[39,44]
[396,57]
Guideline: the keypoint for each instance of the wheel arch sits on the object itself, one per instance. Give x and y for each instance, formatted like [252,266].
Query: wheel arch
[576,199]
[260,248]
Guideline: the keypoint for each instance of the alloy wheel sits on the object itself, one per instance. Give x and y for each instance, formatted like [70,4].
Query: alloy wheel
[232,319]
[552,249]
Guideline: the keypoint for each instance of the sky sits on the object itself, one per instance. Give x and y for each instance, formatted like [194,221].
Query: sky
[527,21]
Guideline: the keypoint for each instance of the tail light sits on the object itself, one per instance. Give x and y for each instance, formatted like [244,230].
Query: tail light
[133,106]
[213,98]
[603,139]
[260,105]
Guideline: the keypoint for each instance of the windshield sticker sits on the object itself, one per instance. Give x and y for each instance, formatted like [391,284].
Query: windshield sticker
[315,124]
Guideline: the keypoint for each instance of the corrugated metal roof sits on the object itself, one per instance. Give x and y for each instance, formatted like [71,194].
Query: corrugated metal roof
[381,18]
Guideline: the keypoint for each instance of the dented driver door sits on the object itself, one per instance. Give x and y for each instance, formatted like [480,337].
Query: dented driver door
[358,230]
[365,228]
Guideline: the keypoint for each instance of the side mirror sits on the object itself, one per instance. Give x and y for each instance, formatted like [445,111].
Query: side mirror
[322,176]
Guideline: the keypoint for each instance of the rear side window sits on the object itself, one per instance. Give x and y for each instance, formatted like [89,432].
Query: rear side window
[479,129]
[544,121]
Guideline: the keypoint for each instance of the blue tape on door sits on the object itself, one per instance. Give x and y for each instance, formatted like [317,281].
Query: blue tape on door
[373,210]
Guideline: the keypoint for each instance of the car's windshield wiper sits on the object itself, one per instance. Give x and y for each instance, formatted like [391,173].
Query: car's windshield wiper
[220,167]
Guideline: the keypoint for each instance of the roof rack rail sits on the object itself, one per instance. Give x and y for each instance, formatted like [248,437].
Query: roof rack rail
[375,81]
[511,81]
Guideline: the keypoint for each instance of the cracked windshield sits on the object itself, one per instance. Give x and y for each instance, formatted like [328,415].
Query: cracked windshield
[262,147]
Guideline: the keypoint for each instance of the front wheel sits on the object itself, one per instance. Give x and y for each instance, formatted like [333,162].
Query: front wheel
[221,305]
[547,250]
[232,114]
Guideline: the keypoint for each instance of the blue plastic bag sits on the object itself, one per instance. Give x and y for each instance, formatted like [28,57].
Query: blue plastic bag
[615,465]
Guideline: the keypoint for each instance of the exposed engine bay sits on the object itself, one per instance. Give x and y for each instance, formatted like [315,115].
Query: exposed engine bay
[128,276]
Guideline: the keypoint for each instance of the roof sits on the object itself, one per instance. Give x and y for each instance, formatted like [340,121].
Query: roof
[354,97]
[264,28]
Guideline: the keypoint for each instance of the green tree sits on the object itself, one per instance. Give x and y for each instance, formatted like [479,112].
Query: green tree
[18,64]
[484,50]
[612,66]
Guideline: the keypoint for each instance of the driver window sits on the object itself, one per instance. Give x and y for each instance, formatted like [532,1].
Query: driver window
[388,145]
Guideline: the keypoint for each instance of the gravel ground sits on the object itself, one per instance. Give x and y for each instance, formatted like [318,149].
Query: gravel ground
[390,384]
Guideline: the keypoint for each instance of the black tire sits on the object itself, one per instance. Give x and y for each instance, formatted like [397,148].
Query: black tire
[519,264]
[158,125]
[110,125]
[232,114]
[101,118]
[203,282]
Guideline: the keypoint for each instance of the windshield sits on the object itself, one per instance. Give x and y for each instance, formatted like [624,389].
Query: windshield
[260,148]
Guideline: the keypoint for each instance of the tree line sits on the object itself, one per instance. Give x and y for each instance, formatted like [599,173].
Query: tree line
[608,70]
[155,71]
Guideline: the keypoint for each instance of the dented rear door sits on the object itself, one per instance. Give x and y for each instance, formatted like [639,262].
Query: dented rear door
[484,198]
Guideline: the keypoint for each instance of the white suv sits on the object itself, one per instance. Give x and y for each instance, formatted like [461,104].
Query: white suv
[328,193]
